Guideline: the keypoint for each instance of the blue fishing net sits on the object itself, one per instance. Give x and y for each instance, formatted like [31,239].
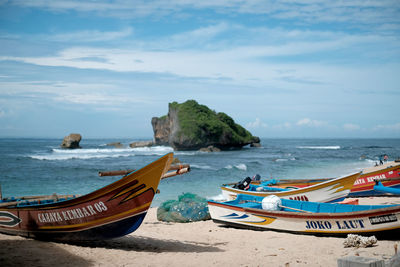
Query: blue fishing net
[188,208]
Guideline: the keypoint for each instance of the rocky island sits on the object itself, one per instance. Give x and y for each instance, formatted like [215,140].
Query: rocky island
[71,141]
[192,126]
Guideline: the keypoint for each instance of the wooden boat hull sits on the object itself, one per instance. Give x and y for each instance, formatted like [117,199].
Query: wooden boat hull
[388,174]
[327,191]
[386,190]
[382,221]
[112,211]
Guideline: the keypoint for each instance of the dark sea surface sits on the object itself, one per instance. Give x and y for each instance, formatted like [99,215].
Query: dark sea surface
[40,166]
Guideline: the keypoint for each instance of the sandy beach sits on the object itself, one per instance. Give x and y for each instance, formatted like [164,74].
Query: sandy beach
[192,244]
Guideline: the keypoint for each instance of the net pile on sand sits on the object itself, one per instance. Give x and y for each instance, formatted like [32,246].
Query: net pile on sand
[188,208]
[359,241]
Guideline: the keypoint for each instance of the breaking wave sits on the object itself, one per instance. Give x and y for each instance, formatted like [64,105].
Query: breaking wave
[202,167]
[240,166]
[319,147]
[97,153]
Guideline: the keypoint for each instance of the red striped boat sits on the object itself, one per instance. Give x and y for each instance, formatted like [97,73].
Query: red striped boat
[388,174]
[327,191]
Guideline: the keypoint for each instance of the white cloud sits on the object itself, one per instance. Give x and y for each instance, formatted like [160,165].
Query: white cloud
[310,123]
[256,124]
[205,52]
[283,126]
[238,63]
[351,127]
[96,95]
[390,127]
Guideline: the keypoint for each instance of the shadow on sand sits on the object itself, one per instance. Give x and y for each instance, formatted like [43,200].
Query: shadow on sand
[148,244]
[37,253]
[49,253]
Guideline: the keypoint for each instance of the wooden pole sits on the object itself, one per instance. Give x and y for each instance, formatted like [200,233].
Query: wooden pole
[178,166]
[290,208]
[115,173]
[125,172]
[174,173]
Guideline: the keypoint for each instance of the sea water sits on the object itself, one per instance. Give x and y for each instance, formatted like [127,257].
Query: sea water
[40,166]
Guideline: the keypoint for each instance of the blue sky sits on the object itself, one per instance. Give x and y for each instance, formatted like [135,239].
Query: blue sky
[279,68]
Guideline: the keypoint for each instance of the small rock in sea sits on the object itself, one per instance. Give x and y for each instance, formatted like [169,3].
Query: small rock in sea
[210,149]
[255,145]
[141,144]
[71,141]
[116,145]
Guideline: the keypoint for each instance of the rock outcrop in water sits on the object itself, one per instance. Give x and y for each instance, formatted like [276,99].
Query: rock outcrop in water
[191,126]
[116,144]
[71,141]
[141,144]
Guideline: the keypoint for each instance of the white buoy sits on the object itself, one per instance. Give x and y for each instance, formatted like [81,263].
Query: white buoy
[271,202]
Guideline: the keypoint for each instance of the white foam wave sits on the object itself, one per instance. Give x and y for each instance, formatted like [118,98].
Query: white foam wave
[89,153]
[203,167]
[186,153]
[154,149]
[90,150]
[75,156]
[282,160]
[318,147]
[219,198]
[241,166]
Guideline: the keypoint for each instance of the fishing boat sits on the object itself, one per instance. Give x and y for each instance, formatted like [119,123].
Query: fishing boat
[112,211]
[387,173]
[327,191]
[273,213]
[387,190]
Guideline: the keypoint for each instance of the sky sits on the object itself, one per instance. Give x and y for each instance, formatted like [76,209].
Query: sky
[280,68]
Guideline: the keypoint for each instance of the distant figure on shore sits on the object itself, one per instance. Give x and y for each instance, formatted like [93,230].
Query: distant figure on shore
[382,159]
[385,158]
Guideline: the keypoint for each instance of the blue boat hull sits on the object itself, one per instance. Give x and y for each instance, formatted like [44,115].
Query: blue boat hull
[108,231]
[380,188]
[376,192]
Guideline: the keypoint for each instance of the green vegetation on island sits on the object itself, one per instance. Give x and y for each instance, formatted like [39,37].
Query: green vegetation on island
[193,126]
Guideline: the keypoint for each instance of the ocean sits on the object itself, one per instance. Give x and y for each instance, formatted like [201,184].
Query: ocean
[40,166]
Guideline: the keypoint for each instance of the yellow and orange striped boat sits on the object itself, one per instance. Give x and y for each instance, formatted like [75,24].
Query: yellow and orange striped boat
[327,191]
[112,211]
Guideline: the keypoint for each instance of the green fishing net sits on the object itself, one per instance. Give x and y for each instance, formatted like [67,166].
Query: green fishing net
[188,208]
